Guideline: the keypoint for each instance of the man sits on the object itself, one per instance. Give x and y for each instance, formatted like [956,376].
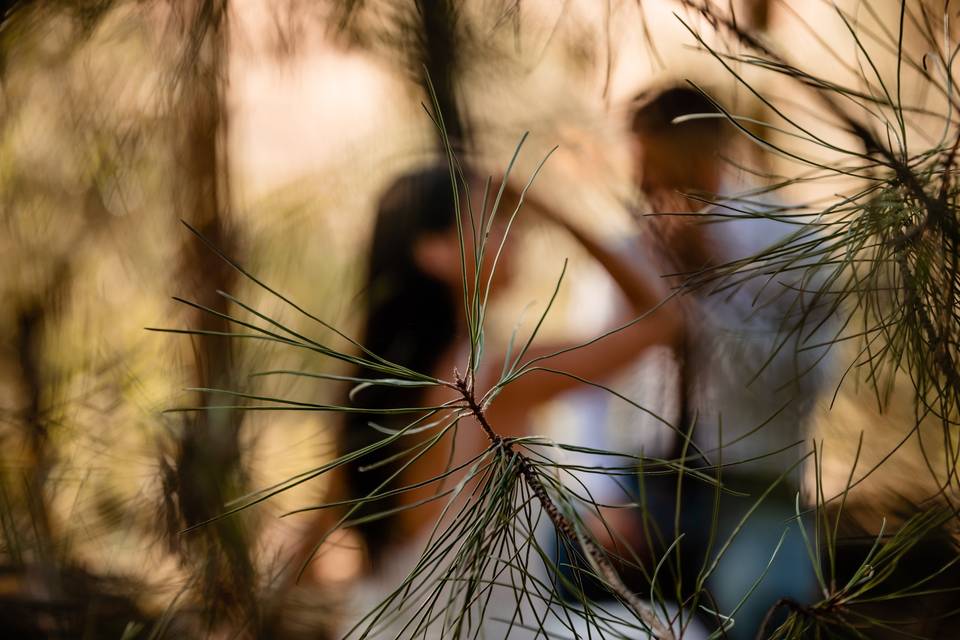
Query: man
[748,385]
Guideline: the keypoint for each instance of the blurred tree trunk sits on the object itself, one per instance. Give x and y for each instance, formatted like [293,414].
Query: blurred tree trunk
[28,542]
[753,15]
[34,308]
[32,316]
[439,40]
[428,36]
[207,470]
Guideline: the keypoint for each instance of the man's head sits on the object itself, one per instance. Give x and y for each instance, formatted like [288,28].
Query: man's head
[675,156]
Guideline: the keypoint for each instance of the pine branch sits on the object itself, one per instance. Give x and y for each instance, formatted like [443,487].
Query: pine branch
[562,524]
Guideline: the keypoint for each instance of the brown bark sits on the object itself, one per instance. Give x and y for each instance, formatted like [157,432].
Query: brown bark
[207,470]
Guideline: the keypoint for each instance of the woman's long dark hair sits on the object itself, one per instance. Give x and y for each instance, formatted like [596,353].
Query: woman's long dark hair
[410,320]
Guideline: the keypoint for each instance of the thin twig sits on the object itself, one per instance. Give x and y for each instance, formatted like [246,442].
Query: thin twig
[607,571]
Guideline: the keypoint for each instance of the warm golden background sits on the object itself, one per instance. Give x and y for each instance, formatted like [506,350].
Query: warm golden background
[275,140]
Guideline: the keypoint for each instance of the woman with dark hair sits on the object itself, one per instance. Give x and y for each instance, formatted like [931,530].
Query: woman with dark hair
[415,318]
[411,319]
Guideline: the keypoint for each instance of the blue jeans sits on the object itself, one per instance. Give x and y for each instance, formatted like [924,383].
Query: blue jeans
[790,575]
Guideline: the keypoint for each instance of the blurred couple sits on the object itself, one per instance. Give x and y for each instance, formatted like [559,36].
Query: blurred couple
[722,368]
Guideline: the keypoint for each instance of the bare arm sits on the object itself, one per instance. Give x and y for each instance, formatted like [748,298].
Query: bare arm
[652,325]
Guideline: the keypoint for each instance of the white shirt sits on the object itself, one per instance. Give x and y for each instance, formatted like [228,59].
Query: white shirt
[750,366]
[744,370]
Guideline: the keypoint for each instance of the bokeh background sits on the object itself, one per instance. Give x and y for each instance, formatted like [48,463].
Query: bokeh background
[272,127]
